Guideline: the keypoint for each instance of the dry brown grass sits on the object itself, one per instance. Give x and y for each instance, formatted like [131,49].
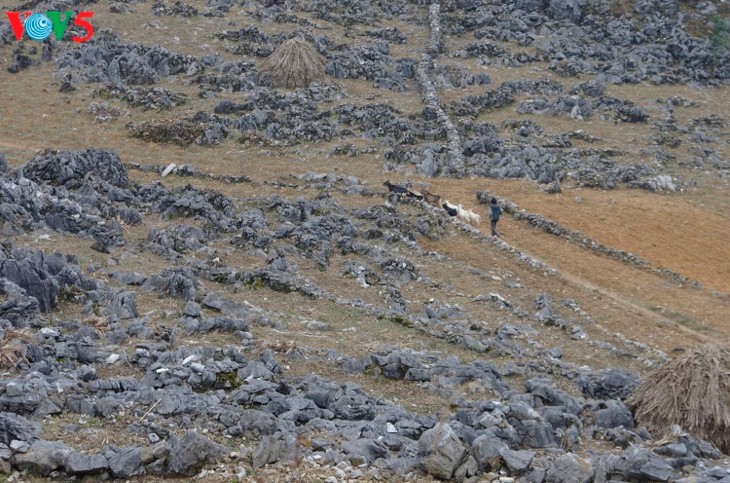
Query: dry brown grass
[13,347]
[669,231]
[99,324]
[295,63]
[692,391]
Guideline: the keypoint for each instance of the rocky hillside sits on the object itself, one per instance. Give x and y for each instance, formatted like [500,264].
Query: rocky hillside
[202,275]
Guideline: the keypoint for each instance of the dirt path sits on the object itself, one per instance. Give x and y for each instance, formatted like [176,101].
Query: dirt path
[631,306]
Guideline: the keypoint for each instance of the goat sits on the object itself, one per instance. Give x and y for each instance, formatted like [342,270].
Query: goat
[394,188]
[414,194]
[450,209]
[475,217]
[431,199]
[462,213]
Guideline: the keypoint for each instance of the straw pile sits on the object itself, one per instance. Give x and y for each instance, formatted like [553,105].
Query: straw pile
[692,391]
[295,63]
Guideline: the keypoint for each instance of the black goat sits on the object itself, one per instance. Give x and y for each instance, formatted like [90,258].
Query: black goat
[394,188]
[450,209]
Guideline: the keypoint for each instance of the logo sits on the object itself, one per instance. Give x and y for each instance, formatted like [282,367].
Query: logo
[38,26]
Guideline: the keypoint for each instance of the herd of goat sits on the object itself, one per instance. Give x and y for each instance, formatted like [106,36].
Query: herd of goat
[435,200]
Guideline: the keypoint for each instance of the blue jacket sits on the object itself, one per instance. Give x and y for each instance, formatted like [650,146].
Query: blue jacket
[495,212]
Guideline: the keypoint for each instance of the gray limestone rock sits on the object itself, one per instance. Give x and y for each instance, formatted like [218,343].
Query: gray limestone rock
[441,451]
[487,449]
[614,414]
[644,465]
[124,462]
[86,464]
[518,462]
[192,452]
[272,449]
[69,167]
[570,468]
[15,427]
[124,306]
[43,457]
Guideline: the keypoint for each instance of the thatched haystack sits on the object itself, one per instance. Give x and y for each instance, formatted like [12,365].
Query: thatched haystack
[296,63]
[692,391]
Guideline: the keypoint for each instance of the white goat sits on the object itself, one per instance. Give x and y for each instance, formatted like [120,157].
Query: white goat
[462,213]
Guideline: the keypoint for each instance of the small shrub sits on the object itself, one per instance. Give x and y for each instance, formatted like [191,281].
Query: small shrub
[719,33]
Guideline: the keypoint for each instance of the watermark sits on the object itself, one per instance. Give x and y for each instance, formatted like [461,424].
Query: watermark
[39,26]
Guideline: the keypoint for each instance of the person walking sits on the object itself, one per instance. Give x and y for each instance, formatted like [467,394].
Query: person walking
[494,213]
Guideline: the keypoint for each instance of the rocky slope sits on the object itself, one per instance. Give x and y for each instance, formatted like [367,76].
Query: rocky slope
[291,323]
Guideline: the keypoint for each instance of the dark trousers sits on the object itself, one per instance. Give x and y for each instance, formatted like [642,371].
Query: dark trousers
[494,227]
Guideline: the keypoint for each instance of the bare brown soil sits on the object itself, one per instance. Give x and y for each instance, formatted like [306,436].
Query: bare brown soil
[680,311]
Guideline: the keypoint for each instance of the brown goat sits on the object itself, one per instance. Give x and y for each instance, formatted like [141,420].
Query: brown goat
[431,198]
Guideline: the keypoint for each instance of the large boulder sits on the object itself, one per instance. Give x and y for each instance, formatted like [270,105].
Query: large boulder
[613,414]
[124,306]
[486,450]
[518,462]
[69,168]
[441,451]
[19,308]
[608,383]
[272,449]
[85,464]
[43,457]
[30,274]
[192,452]
[14,427]
[644,465]
[570,468]
[124,462]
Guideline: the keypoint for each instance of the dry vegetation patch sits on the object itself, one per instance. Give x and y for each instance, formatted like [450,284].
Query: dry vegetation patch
[295,63]
[692,391]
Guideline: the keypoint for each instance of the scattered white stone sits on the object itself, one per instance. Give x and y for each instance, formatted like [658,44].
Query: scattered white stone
[168,169]
[162,369]
[189,359]
[112,358]
[153,438]
[390,428]
[315,325]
